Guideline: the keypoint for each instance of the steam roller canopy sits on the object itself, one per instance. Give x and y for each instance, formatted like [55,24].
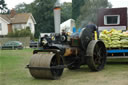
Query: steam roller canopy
[40,66]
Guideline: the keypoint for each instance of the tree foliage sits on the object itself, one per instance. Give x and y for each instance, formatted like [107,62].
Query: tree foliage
[44,16]
[24,8]
[66,11]
[42,11]
[88,12]
[76,6]
[3,7]
[21,8]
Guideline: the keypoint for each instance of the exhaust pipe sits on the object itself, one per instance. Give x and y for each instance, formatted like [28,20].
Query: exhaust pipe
[57,16]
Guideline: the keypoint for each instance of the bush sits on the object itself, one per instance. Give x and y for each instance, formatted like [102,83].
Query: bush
[21,33]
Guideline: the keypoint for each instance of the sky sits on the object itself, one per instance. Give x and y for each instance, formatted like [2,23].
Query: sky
[119,3]
[116,3]
[12,3]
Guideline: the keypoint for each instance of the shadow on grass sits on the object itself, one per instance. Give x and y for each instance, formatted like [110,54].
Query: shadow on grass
[43,79]
[67,73]
[81,69]
[117,63]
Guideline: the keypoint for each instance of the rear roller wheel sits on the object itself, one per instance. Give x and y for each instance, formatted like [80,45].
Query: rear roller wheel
[41,66]
[96,55]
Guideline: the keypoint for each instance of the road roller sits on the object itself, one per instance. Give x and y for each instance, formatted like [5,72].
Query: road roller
[63,50]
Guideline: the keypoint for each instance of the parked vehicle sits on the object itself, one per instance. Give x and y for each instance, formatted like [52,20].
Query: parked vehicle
[12,45]
[33,44]
[113,22]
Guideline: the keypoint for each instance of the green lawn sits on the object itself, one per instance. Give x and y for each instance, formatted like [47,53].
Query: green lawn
[13,72]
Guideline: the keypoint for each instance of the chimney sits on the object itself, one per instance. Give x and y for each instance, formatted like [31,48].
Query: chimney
[57,16]
[12,13]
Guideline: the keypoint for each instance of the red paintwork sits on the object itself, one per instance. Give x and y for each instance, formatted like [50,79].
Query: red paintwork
[112,11]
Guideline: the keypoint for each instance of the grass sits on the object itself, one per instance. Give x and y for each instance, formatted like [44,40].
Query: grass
[13,72]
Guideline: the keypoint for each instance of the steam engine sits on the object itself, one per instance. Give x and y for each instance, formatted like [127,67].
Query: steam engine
[61,50]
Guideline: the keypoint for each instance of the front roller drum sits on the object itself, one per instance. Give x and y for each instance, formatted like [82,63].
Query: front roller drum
[41,66]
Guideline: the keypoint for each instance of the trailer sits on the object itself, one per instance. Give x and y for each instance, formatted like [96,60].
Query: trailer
[116,18]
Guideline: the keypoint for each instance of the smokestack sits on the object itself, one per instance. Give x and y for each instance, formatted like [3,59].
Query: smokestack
[57,16]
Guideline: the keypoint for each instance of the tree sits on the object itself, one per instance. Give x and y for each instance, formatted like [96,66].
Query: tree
[66,11]
[3,7]
[76,5]
[42,11]
[88,12]
[20,8]
[24,8]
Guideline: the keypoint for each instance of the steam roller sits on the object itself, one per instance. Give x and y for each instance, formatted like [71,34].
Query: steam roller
[61,50]
[64,51]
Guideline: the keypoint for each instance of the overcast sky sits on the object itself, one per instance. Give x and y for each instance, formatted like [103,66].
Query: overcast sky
[119,3]
[12,3]
[116,3]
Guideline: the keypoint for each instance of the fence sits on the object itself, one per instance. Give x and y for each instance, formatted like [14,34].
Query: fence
[24,40]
